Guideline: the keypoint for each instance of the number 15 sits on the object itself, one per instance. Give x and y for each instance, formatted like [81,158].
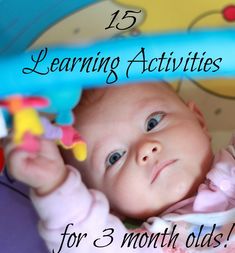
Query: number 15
[131,18]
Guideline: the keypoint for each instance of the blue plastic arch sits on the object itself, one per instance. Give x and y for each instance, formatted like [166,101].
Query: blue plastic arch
[67,85]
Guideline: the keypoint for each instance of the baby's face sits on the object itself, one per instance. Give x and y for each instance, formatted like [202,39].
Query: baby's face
[146,148]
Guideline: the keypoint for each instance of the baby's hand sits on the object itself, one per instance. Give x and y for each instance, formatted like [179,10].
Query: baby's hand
[44,170]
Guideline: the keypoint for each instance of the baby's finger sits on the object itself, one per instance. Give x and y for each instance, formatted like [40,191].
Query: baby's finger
[49,149]
[14,153]
[30,143]
[16,160]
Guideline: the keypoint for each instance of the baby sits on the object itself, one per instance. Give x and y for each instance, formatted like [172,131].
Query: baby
[149,158]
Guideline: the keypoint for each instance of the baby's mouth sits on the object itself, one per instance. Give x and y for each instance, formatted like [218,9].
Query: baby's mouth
[159,167]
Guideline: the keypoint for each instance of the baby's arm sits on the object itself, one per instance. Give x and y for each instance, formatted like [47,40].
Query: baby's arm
[72,218]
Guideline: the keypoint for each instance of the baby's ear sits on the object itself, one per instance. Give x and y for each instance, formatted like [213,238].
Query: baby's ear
[199,115]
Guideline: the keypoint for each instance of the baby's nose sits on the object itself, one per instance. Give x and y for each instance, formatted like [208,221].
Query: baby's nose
[147,152]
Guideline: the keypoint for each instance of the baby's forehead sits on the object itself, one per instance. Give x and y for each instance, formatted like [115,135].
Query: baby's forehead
[123,96]
[117,96]
[127,90]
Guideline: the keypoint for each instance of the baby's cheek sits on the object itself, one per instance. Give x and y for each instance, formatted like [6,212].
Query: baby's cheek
[182,183]
[124,196]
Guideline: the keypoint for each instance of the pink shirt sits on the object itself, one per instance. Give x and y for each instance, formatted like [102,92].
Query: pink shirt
[73,209]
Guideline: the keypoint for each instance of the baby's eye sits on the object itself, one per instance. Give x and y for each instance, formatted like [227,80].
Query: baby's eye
[114,157]
[153,120]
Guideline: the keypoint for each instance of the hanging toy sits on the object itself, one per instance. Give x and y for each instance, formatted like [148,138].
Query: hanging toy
[71,139]
[28,126]
[26,122]
[67,137]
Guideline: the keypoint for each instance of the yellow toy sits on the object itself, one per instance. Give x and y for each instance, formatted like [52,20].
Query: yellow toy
[28,126]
